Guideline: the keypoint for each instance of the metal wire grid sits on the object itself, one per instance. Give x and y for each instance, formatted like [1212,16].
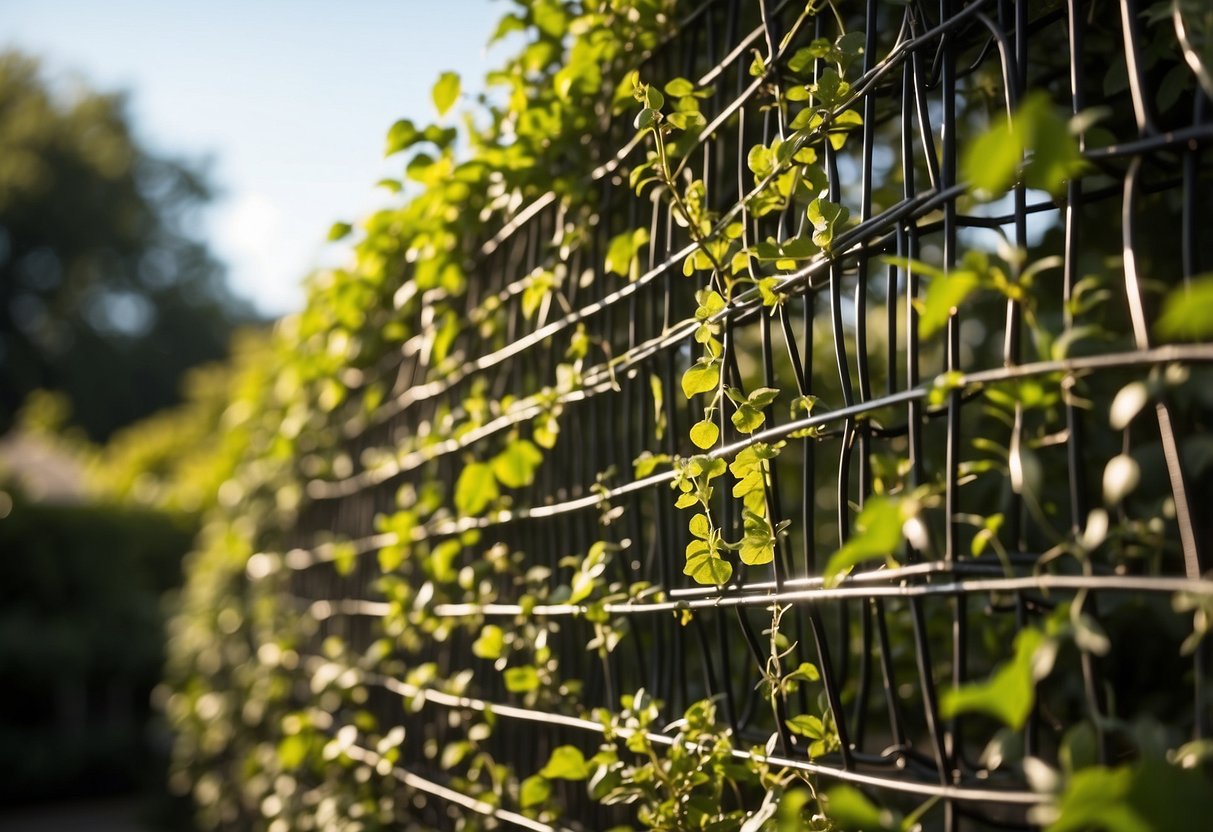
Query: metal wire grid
[887,640]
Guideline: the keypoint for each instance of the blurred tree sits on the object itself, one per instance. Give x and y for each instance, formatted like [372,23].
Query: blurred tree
[104,294]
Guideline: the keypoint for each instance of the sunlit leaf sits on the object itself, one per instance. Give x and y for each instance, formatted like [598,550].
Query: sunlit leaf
[490,643]
[850,809]
[401,135]
[475,488]
[446,91]
[877,535]
[534,791]
[1187,311]
[748,418]
[944,295]
[622,253]
[704,433]
[1009,692]
[708,569]
[825,216]
[521,679]
[515,466]
[701,377]
[679,87]
[566,763]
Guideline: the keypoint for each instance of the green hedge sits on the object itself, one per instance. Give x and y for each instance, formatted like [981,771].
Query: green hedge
[81,644]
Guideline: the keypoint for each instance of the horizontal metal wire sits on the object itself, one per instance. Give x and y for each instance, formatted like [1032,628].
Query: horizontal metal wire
[899,784]
[890,641]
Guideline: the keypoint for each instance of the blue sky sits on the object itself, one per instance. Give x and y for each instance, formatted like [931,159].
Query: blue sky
[290,99]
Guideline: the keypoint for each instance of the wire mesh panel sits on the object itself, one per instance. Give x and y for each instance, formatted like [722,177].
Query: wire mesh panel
[868,403]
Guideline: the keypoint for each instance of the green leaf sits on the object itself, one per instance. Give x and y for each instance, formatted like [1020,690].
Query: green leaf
[687,120]
[710,303]
[475,488]
[292,751]
[535,791]
[850,809]
[991,161]
[807,725]
[944,295]
[747,418]
[646,118]
[446,91]
[877,535]
[403,134]
[507,24]
[700,527]
[750,482]
[1097,798]
[830,89]
[345,556]
[1009,692]
[701,377]
[1055,156]
[566,763]
[621,258]
[490,643]
[705,433]
[708,569]
[521,679]
[757,550]
[761,161]
[679,87]
[339,230]
[1187,311]
[537,290]
[762,397]
[647,463]
[825,216]
[454,753]
[807,671]
[515,466]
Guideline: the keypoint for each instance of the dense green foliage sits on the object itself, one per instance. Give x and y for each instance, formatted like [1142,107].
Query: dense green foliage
[308,621]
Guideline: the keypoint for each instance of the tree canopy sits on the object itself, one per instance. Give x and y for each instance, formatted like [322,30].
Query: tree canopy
[106,293]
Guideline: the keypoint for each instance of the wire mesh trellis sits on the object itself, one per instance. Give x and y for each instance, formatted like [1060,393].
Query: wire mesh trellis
[888,641]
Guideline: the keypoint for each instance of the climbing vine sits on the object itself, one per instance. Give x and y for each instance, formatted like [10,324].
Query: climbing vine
[447,585]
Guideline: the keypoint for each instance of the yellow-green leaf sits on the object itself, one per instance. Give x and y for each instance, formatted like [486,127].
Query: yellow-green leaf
[475,488]
[515,466]
[446,91]
[708,569]
[748,418]
[943,296]
[566,763]
[534,791]
[877,535]
[521,679]
[705,433]
[701,377]
[1009,692]
[1187,312]
[490,644]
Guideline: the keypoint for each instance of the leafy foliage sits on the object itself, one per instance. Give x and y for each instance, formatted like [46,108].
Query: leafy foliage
[410,383]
